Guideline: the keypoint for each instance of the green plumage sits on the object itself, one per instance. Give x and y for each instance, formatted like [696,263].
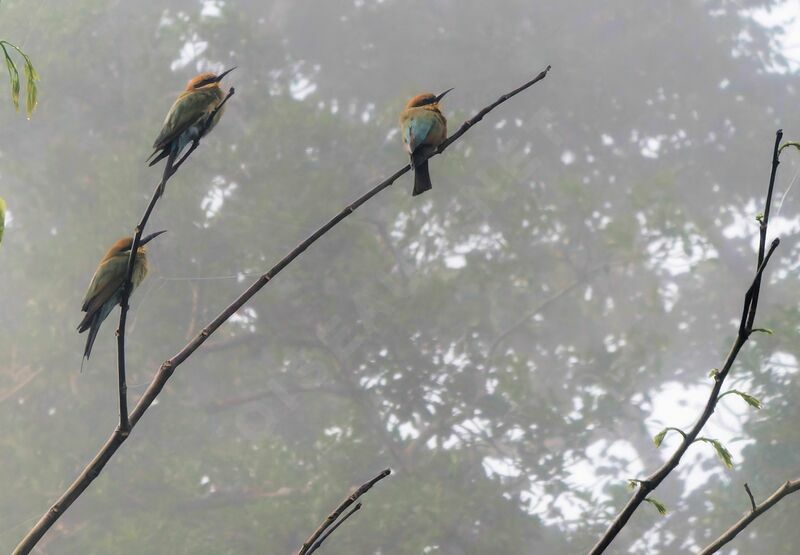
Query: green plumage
[190,109]
[105,289]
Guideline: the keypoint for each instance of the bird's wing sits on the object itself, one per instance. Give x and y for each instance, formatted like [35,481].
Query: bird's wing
[105,282]
[187,110]
[417,131]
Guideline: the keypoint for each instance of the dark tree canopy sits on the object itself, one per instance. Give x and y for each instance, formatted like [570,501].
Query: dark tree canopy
[619,196]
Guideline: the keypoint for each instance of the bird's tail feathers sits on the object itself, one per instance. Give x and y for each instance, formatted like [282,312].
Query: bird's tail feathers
[422,178]
[86,323]
[95,327]
[161,155]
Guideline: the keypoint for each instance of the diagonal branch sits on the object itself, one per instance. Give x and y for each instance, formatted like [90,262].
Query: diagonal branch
[581,280]
[162,375]
[651,482]
[332,529]
[757,510]
[316,539]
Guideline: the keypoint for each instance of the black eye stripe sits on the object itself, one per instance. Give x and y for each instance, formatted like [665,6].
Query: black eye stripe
[205,82]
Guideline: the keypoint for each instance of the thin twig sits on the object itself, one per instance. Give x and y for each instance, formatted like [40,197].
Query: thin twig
[333,528]
[762,228]
[95,466]
[651,482]
[788,487]
[311,543]
[169,171]
[585,278]
[750,495]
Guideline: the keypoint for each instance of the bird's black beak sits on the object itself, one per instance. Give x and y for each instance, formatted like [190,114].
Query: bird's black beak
[223,74]
[441,96]
[151,237]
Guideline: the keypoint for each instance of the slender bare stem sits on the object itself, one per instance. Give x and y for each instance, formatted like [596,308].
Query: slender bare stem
[162,375]
[169,171]
[316,539]
[757,510]
[750,495]
[651,482]
[762,228]
[586,277]
[333,528]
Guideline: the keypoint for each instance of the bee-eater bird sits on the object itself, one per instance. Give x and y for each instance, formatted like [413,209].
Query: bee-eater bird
[105,289]
[424,128]
[187,120]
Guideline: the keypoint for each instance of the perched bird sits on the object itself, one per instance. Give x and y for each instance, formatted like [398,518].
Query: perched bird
[424,128]
[105,290]
[187,120]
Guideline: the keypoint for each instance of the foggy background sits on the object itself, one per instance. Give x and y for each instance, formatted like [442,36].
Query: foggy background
[619,194]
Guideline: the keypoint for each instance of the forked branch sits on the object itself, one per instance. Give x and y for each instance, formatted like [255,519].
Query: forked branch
[162,375]
[648,484]
[756,511]
[330,524]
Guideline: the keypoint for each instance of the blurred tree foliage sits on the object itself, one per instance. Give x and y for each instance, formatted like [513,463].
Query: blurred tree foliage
[629,178]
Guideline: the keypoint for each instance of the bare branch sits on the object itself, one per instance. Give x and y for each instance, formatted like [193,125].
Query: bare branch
[169,171]
[764,222]
[122,431]
[750,495]
[651,482]
[162,375]
[788,487]
[333,528]
[316,539]
[585,278]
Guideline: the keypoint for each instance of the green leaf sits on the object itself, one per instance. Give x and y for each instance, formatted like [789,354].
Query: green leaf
[659,437]
[713,373]
[13,76]
[763,330]
[749,399]
[722,452]
[31,77]
[30,84]
[789,143]
[660,507]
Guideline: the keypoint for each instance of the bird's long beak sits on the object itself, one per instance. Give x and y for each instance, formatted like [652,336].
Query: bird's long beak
[441,96]
[151,237]
[223,74]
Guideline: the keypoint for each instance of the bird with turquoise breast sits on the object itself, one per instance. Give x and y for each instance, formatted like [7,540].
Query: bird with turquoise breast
[188,118]
[105,289]
[424,128]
